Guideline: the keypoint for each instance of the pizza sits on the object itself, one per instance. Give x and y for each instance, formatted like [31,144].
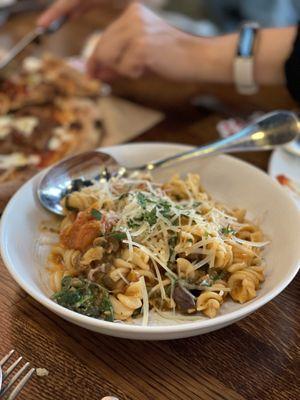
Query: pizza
[35,137]
[48,110]
[41,80]
[62,128]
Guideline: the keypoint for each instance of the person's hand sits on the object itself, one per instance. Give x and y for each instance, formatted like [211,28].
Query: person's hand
[71,8]
[140,41]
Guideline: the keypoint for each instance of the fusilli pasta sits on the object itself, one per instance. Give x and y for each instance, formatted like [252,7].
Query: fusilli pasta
[130,245]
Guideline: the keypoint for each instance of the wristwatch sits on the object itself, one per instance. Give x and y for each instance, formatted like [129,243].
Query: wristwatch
[243,66]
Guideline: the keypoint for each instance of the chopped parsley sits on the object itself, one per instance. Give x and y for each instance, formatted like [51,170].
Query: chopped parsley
[150,216]
[84,297]
[142,200]
[133,223]
[176,222]
[164,208]
[118,235]
[228,231]
[151,207]
[217,277]
[168,289]
[213,277]
[172,243]
[96,214]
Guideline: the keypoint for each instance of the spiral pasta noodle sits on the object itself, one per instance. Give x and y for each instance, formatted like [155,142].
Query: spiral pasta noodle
[210,301]
[244,281]
[79,200]
[130,247]
[125,304]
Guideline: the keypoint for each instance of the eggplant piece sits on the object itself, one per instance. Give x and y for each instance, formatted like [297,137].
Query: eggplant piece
[108,282]
[184,301]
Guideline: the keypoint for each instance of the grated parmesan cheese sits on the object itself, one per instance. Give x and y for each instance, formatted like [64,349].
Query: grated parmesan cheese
[145,302]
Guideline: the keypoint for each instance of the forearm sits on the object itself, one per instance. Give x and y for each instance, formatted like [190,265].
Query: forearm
[139,42]
[214,57]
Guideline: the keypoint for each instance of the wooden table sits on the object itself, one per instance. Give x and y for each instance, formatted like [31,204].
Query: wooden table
[252,359]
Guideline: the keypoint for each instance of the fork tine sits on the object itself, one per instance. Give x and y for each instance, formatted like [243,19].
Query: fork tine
[5,358]
[11,368]
[21,384]
[13,379]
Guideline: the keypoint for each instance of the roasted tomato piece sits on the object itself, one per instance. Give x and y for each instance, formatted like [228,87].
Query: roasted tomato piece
[81,234]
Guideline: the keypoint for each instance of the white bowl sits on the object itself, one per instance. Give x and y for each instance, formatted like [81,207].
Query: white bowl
[228,179]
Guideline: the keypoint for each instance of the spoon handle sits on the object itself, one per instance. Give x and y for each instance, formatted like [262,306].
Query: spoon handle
[271,130]
[220,146]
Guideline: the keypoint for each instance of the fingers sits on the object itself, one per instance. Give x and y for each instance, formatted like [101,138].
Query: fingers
[129,61]
[105,74]
[120,48]
[121,56]
[109,48]
[58,9]
[133,62]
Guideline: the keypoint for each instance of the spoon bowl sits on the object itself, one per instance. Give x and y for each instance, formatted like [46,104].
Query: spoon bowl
[72,174]
[274,129]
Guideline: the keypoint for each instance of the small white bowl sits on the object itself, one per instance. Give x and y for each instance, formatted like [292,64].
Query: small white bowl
[227,179]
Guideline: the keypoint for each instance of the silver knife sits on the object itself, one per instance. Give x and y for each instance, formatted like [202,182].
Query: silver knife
[32,37]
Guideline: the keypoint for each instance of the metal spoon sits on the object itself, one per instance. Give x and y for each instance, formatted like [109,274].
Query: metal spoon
[273,129]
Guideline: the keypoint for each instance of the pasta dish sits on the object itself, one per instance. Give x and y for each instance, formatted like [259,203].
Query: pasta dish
[130,247]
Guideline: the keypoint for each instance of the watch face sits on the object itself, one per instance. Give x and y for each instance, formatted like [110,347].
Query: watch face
[246,42]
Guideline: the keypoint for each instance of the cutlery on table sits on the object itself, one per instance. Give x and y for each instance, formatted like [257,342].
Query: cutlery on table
[8,385]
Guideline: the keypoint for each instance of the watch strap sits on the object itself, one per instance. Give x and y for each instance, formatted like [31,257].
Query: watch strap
[243,67]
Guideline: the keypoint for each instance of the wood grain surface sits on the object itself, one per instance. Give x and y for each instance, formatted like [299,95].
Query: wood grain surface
[254,359]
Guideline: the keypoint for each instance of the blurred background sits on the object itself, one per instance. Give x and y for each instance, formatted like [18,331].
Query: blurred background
[226,15]
[200,17]
[204,17]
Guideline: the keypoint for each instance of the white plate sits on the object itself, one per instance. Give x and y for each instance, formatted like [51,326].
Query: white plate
[228,179]
[288,164]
